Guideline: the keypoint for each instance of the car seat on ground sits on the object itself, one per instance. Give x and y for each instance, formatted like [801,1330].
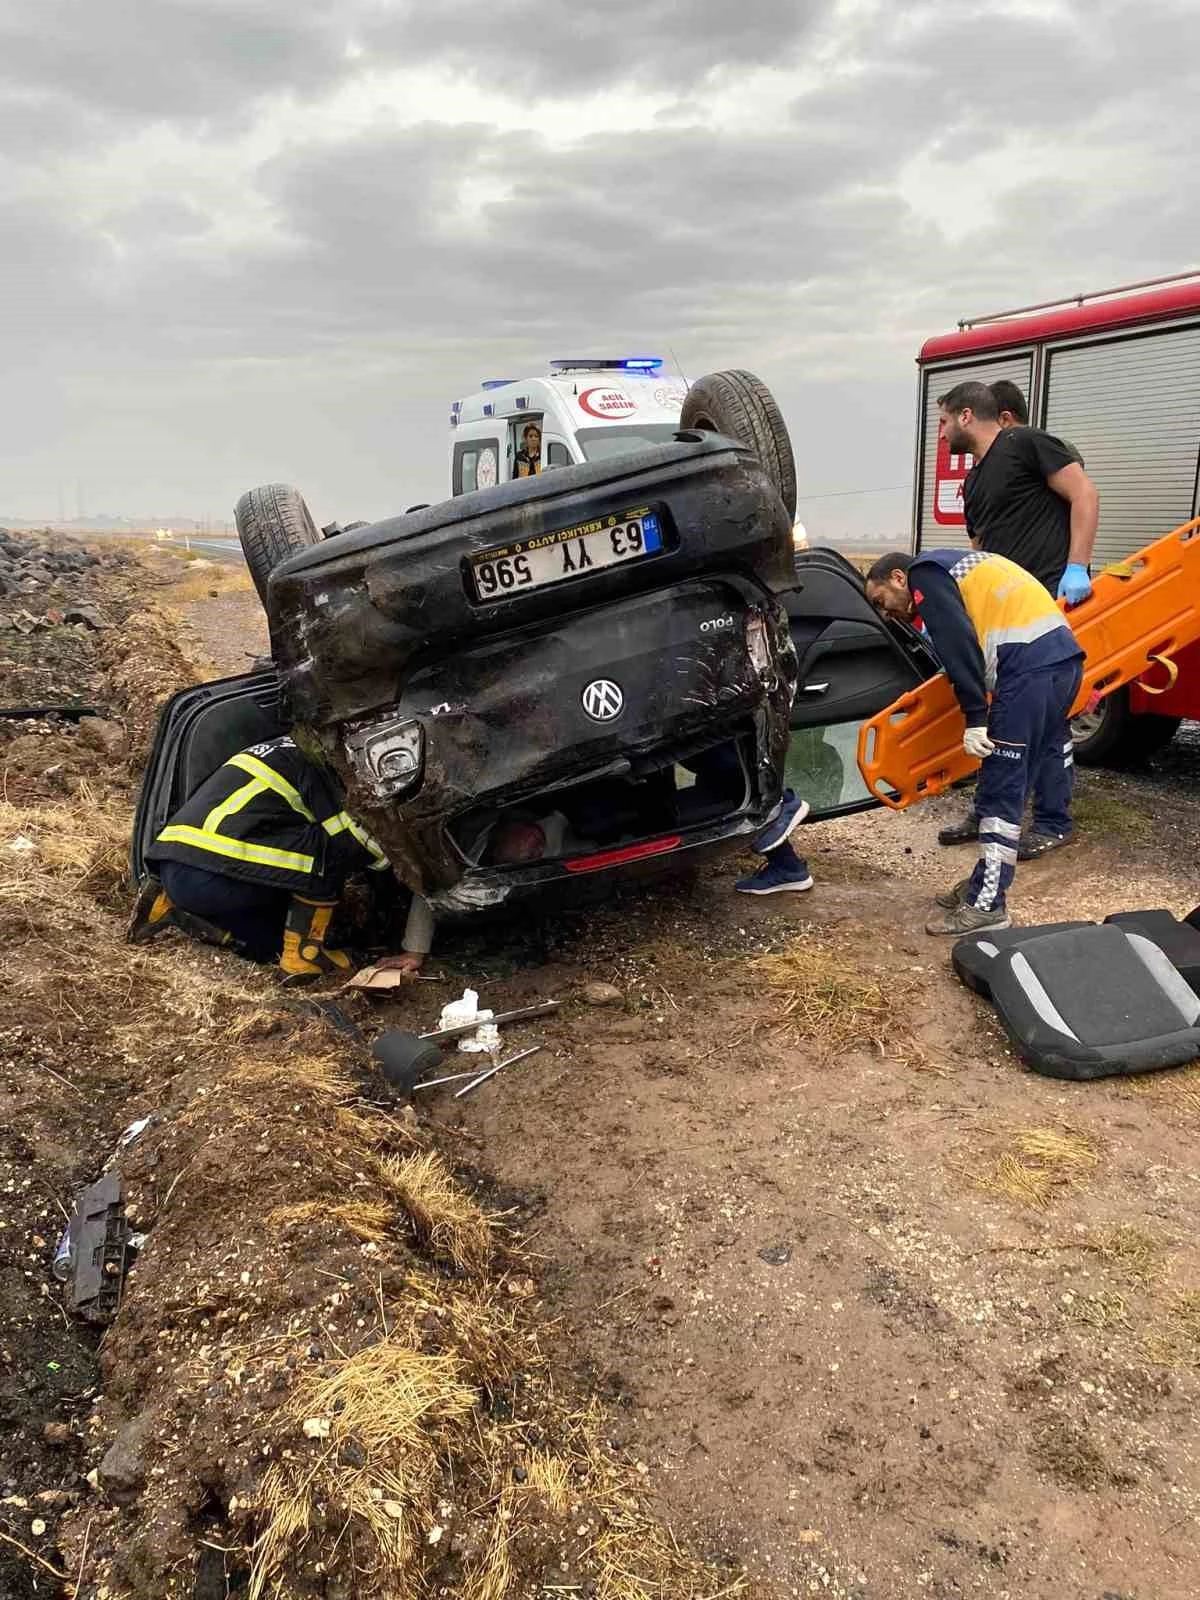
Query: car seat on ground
[1094,1002]
[1178,941]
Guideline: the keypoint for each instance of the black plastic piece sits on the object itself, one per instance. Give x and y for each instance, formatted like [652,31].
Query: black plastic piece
[98,1242]
[404,1058]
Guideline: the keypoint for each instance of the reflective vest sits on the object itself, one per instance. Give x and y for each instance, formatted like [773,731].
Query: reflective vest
[1019,625]
[272,816]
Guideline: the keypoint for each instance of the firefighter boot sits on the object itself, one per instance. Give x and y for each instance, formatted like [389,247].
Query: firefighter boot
[305,955]
[153,914]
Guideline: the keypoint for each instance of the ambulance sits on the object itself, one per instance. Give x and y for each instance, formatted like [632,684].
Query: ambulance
[584,410]
[1116,374]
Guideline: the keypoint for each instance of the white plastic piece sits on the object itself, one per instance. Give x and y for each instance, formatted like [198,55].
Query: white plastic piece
[485,1040]
[459,1011]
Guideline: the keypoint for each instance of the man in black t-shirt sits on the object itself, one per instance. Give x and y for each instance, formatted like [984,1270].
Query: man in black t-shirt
[1028,498]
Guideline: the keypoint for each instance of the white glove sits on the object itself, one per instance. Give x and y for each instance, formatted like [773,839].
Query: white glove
[976,743]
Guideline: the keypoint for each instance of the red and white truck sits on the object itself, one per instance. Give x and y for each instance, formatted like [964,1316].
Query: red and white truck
[1116,374]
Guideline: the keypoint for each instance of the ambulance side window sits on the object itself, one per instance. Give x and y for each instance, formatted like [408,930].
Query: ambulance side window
[557,455]
[476,465]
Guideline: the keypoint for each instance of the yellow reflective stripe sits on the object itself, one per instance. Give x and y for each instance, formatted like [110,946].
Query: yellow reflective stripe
[260,855]
[344,822]
[265,774]
[234,802]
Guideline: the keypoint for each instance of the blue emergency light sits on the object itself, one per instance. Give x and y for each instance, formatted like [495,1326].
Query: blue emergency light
[496,383]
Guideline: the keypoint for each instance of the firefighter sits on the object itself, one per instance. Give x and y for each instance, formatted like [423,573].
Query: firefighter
[256,860]
[1027,497]
[996,631]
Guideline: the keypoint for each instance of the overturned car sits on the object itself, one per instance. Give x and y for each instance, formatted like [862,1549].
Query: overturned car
[585,673]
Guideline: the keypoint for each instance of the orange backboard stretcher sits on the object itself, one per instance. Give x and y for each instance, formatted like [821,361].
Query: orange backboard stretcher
[1140,613]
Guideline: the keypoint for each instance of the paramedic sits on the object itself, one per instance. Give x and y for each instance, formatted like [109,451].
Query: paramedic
[257,859]
[996,631]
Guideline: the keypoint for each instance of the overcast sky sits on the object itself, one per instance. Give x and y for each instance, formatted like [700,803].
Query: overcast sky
[251,240]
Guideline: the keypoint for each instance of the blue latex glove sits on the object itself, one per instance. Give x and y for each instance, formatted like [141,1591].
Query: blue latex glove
[1075,585]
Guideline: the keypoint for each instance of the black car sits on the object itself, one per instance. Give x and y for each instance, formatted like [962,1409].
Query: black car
[596,671]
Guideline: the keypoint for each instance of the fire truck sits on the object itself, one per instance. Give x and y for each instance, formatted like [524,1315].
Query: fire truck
[1117,375]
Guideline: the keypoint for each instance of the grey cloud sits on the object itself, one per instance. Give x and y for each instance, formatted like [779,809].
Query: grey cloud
[550,49]
[174,60]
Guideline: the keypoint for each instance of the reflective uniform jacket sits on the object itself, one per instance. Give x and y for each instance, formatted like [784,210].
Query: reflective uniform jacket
[272,816]
[987,619]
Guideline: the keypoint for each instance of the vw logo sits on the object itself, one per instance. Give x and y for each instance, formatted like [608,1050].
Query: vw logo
[602,700]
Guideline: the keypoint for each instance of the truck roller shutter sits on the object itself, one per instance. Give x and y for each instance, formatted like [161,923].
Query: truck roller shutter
[932,533]
[1131,407]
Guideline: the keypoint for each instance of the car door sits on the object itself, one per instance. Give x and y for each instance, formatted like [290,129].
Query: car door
[198,730]
[851,665]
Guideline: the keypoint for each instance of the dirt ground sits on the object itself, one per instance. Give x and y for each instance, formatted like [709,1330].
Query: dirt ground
[869,1310]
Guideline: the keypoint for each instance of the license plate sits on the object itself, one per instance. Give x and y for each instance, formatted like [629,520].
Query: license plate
[547,558]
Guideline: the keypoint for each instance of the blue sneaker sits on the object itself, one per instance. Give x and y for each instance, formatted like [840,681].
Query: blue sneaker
[790,873]
[775,833]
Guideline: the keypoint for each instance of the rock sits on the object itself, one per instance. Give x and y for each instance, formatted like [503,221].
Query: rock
[123,1470]
[99,734]
[88,616]
[316,1428]
[352,1454]
[602,994]
[57,1433]
[776,1255]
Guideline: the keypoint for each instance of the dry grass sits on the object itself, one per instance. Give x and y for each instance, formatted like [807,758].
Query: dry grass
[1066,1453]
[828,999]
[391,1412]
[1175,1342]
[1178,1089]
[1037,1165]
[445,1219]
[1128,1251]
[84,839]
[1100,1310]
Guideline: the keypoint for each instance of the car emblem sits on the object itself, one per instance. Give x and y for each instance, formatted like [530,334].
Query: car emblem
[602,700]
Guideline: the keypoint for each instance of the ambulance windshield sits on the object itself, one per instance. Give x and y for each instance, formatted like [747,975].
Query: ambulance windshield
[598,444]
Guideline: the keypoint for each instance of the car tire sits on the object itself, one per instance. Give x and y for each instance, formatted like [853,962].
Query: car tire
[740,406]
[1113,736]
[273,522]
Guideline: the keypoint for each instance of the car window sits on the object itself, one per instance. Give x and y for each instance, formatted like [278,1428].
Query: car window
[557,455]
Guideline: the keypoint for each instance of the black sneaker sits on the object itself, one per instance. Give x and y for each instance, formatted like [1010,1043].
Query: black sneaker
[1033,845]
[964,831]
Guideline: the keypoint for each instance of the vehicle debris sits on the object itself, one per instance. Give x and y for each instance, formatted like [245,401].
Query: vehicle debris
[93,1253]
[499,1067]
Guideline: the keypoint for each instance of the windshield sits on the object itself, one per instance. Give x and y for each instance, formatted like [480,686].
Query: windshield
[598,444]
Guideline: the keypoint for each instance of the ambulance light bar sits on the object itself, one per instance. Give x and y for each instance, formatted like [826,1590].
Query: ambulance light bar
[610,364]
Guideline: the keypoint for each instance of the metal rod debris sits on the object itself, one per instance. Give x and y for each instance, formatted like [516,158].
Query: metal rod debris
[455,1077]
[491,1073]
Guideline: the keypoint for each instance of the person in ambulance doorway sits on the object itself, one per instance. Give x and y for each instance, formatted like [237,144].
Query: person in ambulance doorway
[528,461]
[257,859]
[1027,497]
[996,631]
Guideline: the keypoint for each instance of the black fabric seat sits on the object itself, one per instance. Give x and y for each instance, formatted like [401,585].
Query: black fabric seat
[1178,941]
[974,958]
[1095,1002]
